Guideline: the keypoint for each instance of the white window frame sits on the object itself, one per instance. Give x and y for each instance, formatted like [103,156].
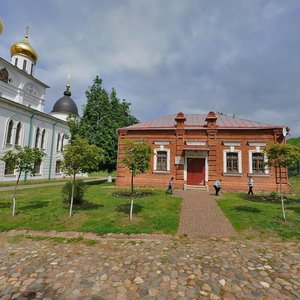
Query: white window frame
[232,150]
[258,150]
[20,133]
[155,160]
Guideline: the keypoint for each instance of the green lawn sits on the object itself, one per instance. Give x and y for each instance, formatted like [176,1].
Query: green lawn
[42,181]
[263,219]
[42,209]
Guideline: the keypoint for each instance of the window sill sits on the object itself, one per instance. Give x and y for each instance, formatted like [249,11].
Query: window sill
[161,172]
[232,174]
[9,175]
[258,175]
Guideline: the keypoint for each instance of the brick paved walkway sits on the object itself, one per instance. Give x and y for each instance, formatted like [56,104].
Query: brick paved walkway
[201,216]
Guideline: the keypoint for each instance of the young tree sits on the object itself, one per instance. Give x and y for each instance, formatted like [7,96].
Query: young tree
[22,160]
[137,157]
[282,156]
[103,114]
[80,157]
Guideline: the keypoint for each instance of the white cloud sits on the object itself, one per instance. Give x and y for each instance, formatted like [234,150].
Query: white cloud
[234,56]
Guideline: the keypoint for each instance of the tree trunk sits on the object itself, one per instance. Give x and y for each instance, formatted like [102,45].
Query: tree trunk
[131,205]
[132,182]
[109,177]
[281,196]
[14,195]
[131,208]
[72,196]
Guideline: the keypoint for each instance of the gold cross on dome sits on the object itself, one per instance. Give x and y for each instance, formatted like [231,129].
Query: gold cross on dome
[26,31]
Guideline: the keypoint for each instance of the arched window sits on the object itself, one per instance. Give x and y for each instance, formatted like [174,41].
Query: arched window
[37,136]
[58,167]
[58,141]
[37,167]
[43,139]
[9,132]
[62,143]
[18,133]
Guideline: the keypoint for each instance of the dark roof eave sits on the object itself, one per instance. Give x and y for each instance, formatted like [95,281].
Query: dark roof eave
[202,128]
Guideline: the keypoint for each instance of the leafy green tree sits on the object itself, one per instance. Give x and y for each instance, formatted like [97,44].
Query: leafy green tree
[80,157]
[136,158]
[294,170]
[22,160]
[103,114]
[74,125]
[282,156]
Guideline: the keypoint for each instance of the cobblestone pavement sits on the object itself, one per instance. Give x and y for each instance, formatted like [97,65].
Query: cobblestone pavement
[153,268]
[201,216]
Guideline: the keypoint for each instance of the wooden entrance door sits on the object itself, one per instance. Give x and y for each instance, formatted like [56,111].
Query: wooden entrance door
[196,171]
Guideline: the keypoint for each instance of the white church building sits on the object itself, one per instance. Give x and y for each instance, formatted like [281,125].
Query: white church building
[22,118]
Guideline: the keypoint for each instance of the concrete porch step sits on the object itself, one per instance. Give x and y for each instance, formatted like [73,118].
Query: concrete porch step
[196,187]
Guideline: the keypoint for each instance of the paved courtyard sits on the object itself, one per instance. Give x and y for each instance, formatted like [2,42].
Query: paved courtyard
[147,268]
[206,261]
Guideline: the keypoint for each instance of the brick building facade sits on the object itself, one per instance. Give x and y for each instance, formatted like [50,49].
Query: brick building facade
[197,149]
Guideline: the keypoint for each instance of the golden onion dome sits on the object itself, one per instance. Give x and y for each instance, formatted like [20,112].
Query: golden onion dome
[1,26]
[24,48]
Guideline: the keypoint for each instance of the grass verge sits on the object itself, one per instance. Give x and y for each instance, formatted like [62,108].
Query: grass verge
[43,209]
[254,218]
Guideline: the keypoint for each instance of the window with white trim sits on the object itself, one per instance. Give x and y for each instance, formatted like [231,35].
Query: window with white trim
[18,134]
[232,162]
[162,160]
[8,170]
[37,137]
[43,139]
[62,143]
[9,132]
[37,167]
[58,167]
[257,162]
[58,143]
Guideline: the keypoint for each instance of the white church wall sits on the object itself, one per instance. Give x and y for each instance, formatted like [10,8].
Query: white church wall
[42,121]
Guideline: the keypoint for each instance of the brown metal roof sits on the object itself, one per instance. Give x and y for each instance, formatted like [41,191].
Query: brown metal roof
[197,121]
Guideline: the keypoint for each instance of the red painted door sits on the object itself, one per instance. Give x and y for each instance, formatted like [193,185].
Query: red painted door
[196,171]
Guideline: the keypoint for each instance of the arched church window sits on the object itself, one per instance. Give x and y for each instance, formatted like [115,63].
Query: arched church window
[18,134]
[58,142]
[62,143]
[9,132]
[43,139]
[37,136]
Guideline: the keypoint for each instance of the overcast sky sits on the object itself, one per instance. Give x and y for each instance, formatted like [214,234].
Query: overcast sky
[236,56]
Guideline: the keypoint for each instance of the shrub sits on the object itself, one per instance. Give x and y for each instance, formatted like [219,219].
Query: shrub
[79,191]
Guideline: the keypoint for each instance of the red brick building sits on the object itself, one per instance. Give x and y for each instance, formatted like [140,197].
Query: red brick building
[196,149]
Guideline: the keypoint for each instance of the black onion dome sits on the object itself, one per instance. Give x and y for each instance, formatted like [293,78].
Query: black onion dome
[65,104]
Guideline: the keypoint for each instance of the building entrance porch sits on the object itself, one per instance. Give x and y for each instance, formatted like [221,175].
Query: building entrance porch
[196,169]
